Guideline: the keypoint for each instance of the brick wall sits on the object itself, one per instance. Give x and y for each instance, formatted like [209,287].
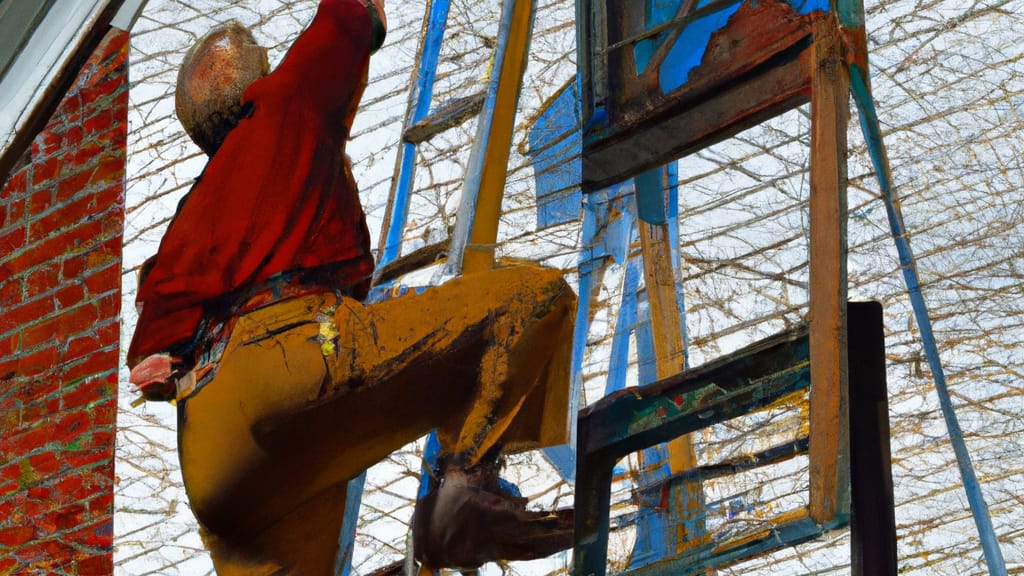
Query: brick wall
[61,220]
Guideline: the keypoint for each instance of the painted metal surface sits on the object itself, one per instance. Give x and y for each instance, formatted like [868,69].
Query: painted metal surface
[555,143]
[630,420]
[607,225]
[476,225]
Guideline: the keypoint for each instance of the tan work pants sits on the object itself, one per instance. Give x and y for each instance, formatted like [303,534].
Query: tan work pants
[311,391]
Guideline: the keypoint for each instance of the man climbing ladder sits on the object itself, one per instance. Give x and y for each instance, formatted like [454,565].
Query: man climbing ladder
[287,385]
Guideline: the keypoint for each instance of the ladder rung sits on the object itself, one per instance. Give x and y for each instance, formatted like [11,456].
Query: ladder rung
[415,260]
[448,116]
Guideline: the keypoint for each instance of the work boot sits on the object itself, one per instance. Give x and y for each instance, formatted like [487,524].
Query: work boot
[467,520]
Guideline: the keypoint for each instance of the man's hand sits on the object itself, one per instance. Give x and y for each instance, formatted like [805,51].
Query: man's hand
[156,377]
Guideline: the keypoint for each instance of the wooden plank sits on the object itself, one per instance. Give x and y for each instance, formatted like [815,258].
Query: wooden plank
[829,448]
[415,260]
[688,127]
[448,116]
[635,418]
[872,517]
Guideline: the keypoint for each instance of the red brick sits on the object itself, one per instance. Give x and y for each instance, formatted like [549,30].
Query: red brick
[104,414]
[20,315]
[104,436]
[61,218]
[110,170]
[46,170]
[12,509]
[117,135]
[102,89]
[11,240]
[42,280]
[72,487]
[25,441]
[88,152]
[39,201]
[73,240]
[99,122]
[40,493]
[59,327]
[45,144]
[43,556]
[71,139]
[8,373]
[35,388]
[9,420]
[120,102]
[70,427]
[69,295]
[70,516]
[87,458]
[81,346]
[9,472]
[39,409]
[42,361]
[111,198]
[80,159]
[85,393]
[9,345]
[110,332]
[10,292]
[72,186]
[72,267]
[102,504]
[99,534]
[17,535]
[113,63]
[60,430]
[44,464]
[99,565]
[107,274]
[16,184]
[32,508]
[88,367]
[15,212]
[8,488]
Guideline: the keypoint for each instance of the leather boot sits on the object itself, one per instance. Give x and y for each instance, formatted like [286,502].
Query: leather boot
[467,521]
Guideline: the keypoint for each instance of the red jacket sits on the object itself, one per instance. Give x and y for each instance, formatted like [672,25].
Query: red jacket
[277,196]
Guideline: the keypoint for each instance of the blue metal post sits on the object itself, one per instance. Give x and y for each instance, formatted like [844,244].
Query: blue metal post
[873,135]
[423,92]
[480,154]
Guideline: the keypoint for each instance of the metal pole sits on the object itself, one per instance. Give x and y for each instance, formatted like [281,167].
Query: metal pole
[873,136]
